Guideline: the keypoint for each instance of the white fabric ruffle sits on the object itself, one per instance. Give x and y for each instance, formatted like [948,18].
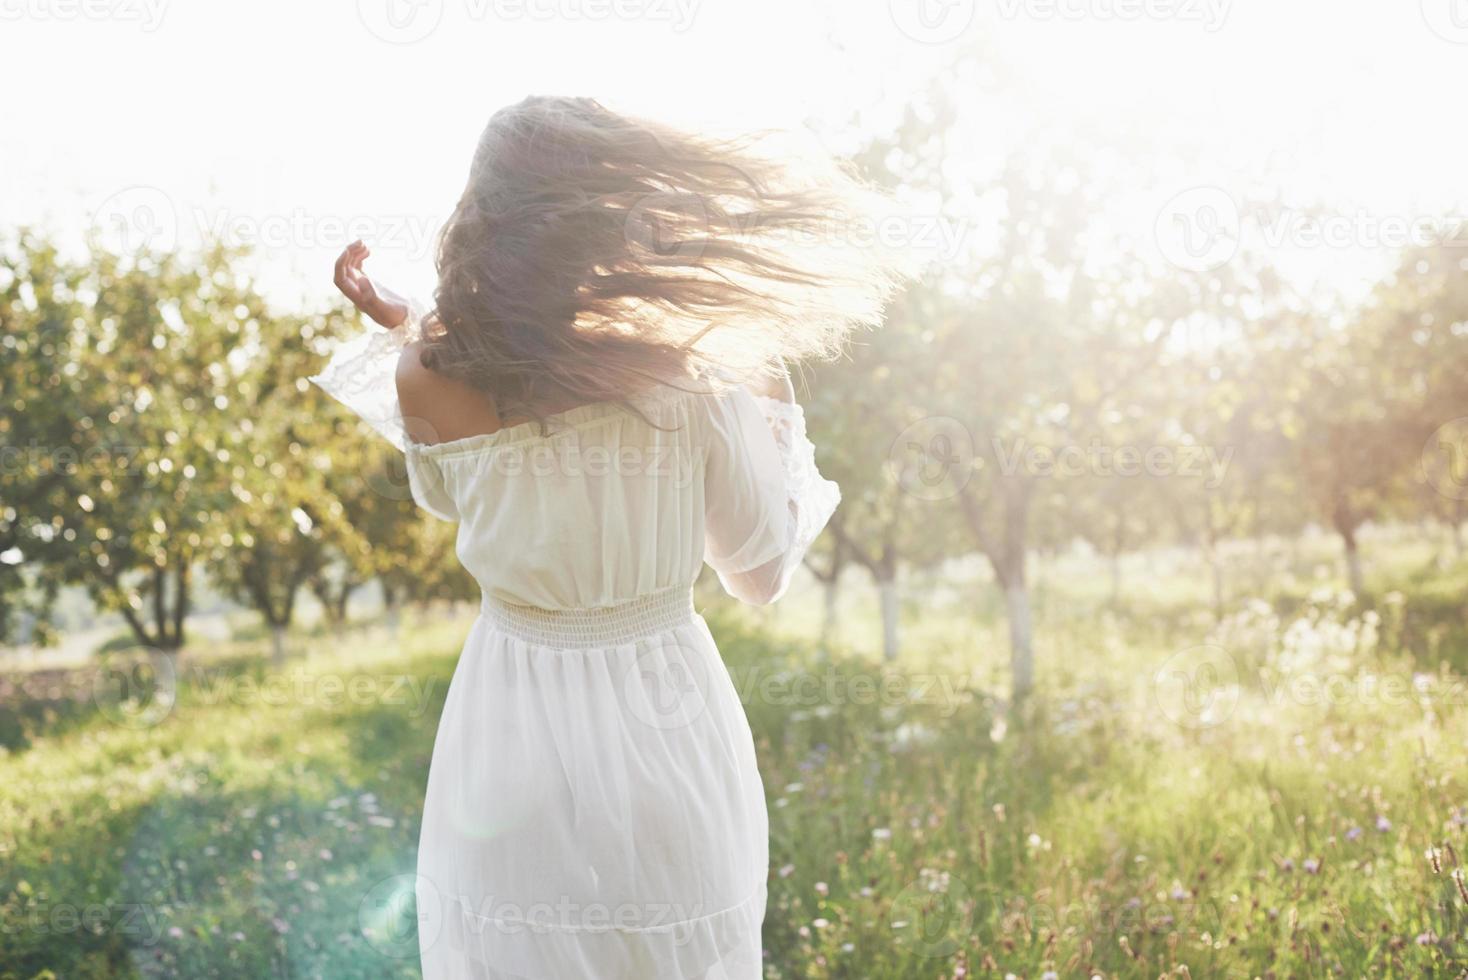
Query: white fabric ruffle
[813,498]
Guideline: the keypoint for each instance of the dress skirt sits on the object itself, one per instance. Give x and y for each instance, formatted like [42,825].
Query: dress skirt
[594,810]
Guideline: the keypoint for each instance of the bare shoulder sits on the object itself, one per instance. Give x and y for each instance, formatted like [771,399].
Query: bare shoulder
[438,408]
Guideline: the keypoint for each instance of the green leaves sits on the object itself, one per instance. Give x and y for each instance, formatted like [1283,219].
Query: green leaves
[156,419]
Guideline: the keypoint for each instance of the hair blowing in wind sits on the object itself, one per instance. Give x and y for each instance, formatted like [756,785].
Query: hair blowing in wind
[592,255]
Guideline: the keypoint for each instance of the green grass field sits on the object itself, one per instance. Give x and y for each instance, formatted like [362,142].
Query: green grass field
[1280,793]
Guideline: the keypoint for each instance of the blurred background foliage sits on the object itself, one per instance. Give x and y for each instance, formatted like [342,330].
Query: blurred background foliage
[1063,464]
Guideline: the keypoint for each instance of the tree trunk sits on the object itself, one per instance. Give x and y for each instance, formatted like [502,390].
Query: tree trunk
[392,605]
[277,645]
[1353,565]
[887,593]
[832,592]
[1343,516]
[1215,569]
[1007,553]
[180,602]
[1021,639]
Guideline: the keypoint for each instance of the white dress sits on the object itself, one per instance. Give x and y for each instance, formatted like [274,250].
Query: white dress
[594,810]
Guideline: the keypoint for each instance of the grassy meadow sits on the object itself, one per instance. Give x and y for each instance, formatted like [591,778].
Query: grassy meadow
[1279,792]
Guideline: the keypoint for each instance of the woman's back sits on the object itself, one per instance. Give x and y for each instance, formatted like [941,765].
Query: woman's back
[603,507]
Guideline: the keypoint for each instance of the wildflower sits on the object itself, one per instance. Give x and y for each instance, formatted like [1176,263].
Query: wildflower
[175,932]
[882,833]
[934,881]
[820,923]
[1383,824]
[822,889]
[1312,866]
[787,871]
[1353,833]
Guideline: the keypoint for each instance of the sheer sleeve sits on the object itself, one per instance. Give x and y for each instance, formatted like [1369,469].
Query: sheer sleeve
[764,499]
[361,374]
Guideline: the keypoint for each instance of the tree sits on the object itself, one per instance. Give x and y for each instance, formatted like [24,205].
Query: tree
[1355,428]
[44,446]
[295,476]
[153,354]
[871,430]
[826,561]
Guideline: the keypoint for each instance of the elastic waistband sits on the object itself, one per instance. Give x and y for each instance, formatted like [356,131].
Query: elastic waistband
[593,626]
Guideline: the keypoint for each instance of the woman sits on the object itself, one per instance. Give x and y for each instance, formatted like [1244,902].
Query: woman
[599,398]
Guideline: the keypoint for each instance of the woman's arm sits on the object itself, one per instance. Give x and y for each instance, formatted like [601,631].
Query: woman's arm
[380,303]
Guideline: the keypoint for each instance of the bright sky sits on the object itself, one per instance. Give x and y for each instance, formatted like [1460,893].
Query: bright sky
[284,121]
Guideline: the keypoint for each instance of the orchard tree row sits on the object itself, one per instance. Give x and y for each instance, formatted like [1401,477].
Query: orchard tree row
[1049,383]
[157,425]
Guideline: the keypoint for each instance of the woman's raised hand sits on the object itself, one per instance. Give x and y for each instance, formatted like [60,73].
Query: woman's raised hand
[378,302]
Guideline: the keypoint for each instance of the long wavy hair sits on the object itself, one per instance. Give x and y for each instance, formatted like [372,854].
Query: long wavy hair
[593,255]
